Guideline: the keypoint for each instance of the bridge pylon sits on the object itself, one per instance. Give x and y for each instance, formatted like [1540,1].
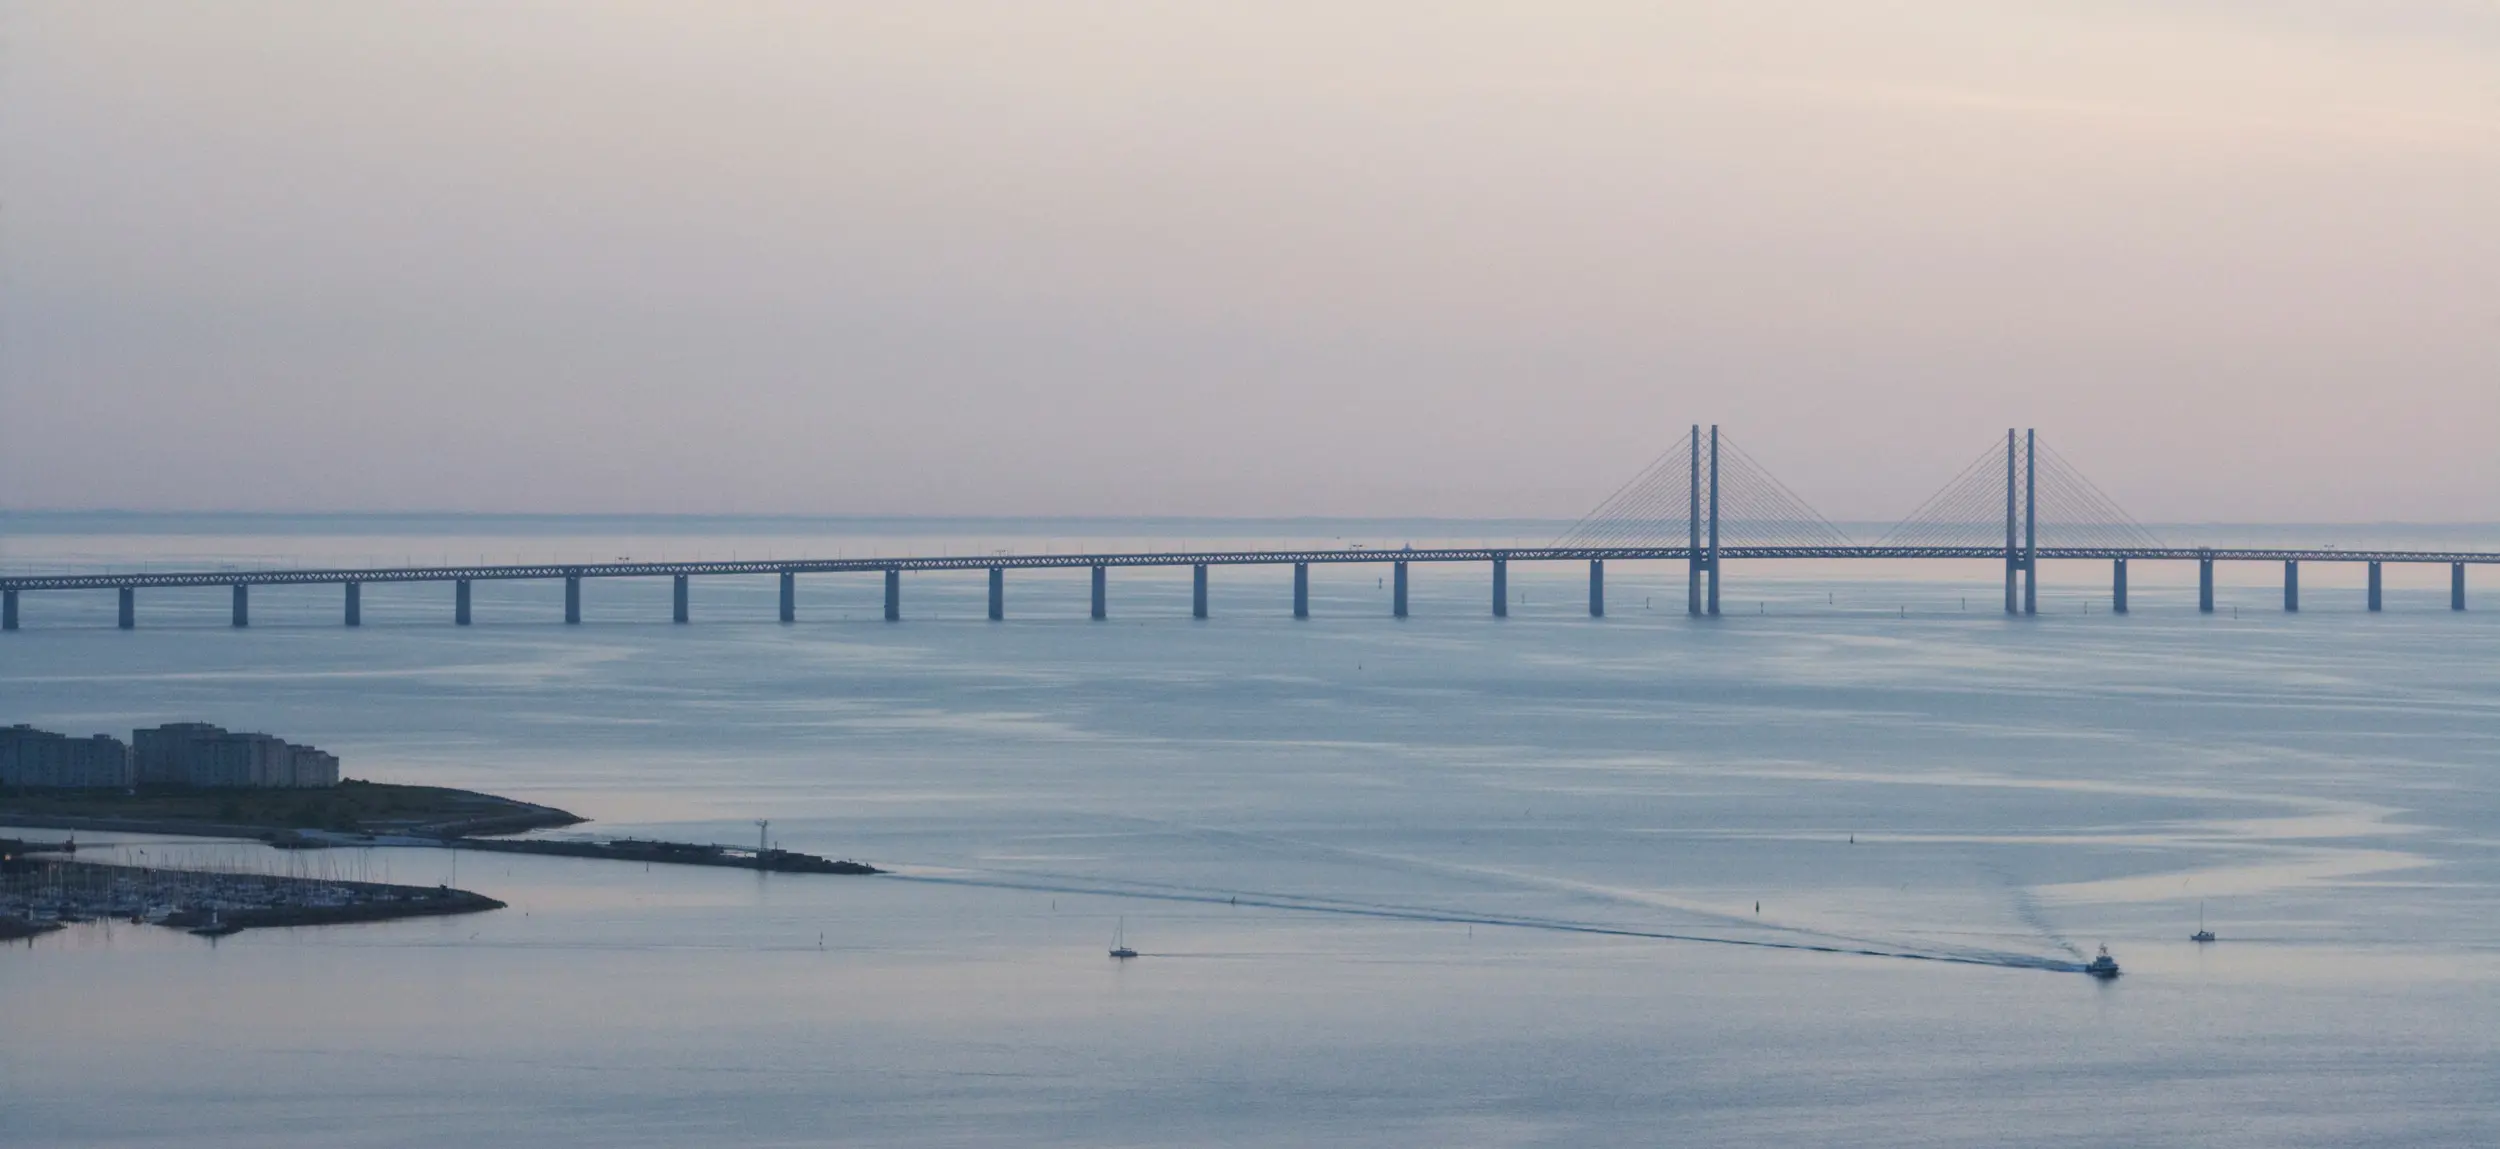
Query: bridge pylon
[1695,499]
[2046,502]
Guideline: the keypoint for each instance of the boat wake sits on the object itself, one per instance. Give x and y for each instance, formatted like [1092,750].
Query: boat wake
[1805,942]
[2027,908]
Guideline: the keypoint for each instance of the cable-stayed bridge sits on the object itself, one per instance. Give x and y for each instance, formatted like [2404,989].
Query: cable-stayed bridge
[1703,502]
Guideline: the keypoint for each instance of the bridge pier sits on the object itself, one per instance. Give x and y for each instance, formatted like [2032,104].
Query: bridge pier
[789,596]
[677,599]
[1102,597]
[355,604]
[1692,525]
[129,614]
[242,604]
[2374,586]
[1302,590]
[893,594]
[1198,590]
[1501,588]
[1714,519]
[572,600]
[2013,556]
[2031,521]
[1397,597]
[460,602]
[2118,587]
[1597,588]
[2456,586]
[998,594]
[2205,585]
[2291,584]
[8,610]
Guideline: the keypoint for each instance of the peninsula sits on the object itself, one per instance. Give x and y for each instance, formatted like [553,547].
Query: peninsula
[281,815]
[356,813]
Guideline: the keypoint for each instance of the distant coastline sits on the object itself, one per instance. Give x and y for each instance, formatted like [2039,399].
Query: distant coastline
[353,807]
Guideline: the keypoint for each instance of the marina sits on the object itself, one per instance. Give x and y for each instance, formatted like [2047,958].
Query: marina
[44,890]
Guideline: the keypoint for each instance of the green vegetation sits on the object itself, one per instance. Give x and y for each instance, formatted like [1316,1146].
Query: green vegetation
[349,807]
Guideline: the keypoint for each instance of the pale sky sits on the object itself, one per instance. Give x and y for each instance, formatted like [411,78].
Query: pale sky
[2237,259]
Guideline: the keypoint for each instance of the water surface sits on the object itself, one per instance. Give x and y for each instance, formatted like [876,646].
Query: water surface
[1445,880]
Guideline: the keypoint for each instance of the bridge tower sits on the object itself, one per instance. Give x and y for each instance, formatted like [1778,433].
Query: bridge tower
[2031,521]
[1692,532]
[1727,499]
[2013,557]
[1714,518]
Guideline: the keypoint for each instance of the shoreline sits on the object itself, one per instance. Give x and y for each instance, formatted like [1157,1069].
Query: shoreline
[353,807]
[20,929]
[357,814]
[40,899]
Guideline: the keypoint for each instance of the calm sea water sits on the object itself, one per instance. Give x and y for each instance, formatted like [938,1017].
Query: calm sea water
[1445,880]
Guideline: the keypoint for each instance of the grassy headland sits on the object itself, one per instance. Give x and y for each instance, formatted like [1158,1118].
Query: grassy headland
[351,807]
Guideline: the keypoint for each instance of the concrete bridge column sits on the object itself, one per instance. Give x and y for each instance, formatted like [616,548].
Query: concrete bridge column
[2118,587]
[1397,597]
[677,599]
[893,594]
[1501,588]
[460,602]
[572,600]
[789,596]
[129,608]
[2456,587]
[2031,522]
[2205,585]
[1198,591]
[2013,550]
[355,604]
[2374,585]
[242,604]
[1713,604]
[998,594]
[1692,522]
[1597,588]
[2291,584]
[8,610]
[1102,596]
[1302,590]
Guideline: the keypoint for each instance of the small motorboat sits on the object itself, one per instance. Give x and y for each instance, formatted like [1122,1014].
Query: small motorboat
[216,927]
[2202,934]
[1119,942]
[2103,967]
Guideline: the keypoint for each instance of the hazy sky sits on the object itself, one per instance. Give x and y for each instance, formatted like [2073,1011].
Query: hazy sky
[2235,258]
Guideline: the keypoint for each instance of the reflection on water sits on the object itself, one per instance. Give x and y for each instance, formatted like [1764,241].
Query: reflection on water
[1449,879]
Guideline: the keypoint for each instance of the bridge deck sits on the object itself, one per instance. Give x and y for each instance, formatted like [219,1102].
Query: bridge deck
[116,579]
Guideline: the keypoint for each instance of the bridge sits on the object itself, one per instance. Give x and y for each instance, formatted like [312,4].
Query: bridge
[1703,502]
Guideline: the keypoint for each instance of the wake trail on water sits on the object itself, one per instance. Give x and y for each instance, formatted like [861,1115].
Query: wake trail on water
[1700,916]
[2027,908]
[1708,916]
[1388,912]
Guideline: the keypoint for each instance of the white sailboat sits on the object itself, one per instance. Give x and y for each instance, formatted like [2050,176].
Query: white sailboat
[2202,934]
[1119,942]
